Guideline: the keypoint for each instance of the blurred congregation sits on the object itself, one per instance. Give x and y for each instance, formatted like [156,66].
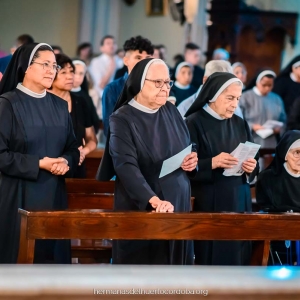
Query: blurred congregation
[144,101]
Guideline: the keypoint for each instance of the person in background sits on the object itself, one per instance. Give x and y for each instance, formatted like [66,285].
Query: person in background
[220,54]
[156,53]
[78,109]
[21,40]
[192,55]
[103,67]
[85,52]
[287,83]
[57,49]
[136,49]
[78,90]
[38,150]
[240,71]
[259,105]
[182,87]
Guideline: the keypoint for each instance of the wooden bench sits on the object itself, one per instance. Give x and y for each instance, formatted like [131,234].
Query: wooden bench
[92,162]
[89,186]
[98,224]
[90,194]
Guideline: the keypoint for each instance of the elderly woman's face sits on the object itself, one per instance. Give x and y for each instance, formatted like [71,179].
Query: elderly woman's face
[151,95]
[227,102]
[293,159]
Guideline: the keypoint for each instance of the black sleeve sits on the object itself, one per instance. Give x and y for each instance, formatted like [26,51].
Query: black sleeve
[250,139]
[71,152]
[87,113]
[124,156]
[14,164]
[293,122]
[204,172]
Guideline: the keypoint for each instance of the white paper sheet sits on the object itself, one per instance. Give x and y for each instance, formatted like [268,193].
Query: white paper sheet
[271,124]
[264,133]
[242,153]
[173,163]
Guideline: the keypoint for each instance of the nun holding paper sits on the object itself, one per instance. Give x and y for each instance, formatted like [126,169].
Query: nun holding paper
[217,132]
[145,129]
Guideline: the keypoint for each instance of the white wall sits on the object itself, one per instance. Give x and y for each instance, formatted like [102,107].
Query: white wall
[285,6]
[159,29]
[51,21]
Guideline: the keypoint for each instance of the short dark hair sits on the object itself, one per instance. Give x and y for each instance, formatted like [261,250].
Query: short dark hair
[139,43]
[62,60]
[106,37]
[191,46]
[25,39]
[37,52]
[54,47]
[83,46]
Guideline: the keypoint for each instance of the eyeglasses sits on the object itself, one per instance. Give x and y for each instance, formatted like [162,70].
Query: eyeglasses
[296,153]
[47,66]
[159,83]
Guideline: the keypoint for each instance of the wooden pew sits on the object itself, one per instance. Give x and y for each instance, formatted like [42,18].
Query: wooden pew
[98,224]
[90,194]
[89,186]
[92,162]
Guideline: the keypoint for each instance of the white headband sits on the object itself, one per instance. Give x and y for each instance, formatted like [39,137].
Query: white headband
[223,87]
[296,64]
[181,65]
[147,67]
[79,62]
[264,73]
[35,49]
[296,144]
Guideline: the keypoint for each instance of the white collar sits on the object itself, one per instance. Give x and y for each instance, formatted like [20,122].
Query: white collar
[293,77]
[181,86]
[29,92]
[209,110]
[77,89]
[257,92]
[142,108]
[292,174]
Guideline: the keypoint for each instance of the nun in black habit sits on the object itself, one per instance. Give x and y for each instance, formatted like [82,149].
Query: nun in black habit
[278,186]
[37,149]
[217,131]
[145,130]
[287,84]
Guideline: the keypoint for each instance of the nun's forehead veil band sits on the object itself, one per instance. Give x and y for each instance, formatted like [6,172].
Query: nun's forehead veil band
[147,67]
[295,145]
[34,51]
[264,73]
[223,87]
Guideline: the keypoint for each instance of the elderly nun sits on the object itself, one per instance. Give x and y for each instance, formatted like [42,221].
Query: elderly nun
[145,129]
[278,186]
[217,131]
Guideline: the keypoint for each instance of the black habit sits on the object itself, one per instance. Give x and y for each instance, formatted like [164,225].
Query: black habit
[213,191]
[81,119]
[276,189]
[139,142]
[31,128]
[287,88]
